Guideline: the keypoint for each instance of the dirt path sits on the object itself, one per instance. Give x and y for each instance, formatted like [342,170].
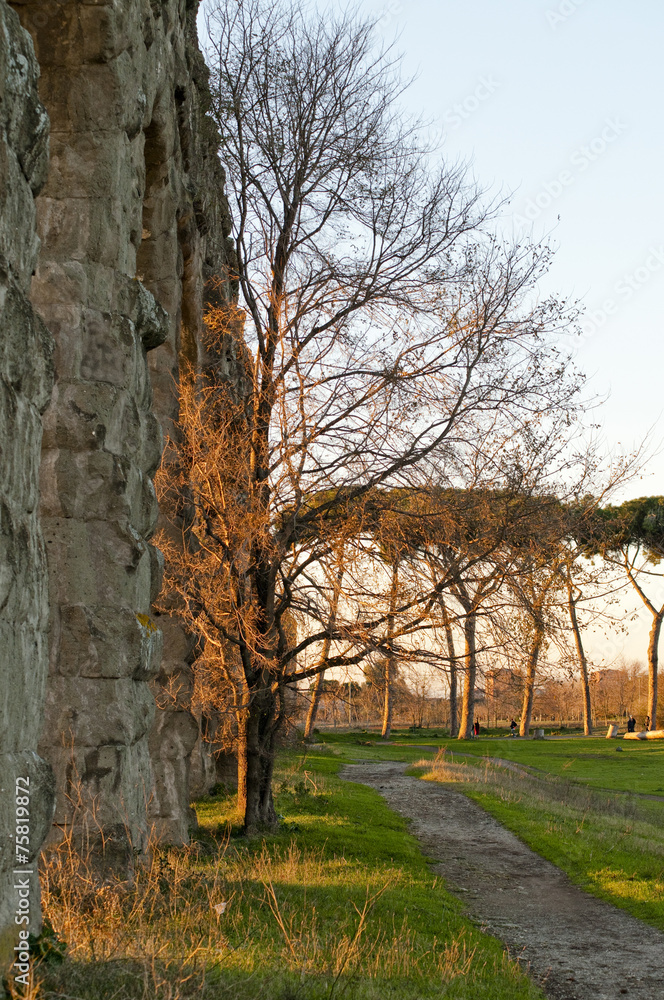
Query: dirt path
[577,947]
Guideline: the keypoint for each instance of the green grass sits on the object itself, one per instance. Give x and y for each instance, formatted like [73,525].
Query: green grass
[340,902]
[355,746]
[638,766]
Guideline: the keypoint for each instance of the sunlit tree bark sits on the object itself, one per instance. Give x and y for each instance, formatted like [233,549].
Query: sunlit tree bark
[389,661]
[572,599]
[451,655]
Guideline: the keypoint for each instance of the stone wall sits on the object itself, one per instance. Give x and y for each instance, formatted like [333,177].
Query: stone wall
[25,386]
[133,223]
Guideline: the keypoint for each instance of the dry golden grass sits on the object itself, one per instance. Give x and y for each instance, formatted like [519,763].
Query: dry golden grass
[186,925]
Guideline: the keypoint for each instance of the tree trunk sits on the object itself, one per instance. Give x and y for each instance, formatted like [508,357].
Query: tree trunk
[454,708]
[469,675]
[318,688]
[315,701]
[388,690]
[260,732]
[451,652]
[529,689]
[242,764]
[583,662]
[325,652]
[653,662]
[390,671]
[653,643]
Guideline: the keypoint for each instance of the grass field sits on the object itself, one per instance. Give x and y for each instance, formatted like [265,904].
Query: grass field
[617,765]
[638,766]
[576,802]
[340,903]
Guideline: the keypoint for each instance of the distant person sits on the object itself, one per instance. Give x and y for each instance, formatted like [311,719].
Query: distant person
[476,727]
[512,728]
[646,724]
[631,724]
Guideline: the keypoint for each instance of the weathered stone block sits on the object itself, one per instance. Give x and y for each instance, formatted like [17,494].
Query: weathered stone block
[202,771]
[87,165]
[105,642]
[105,787]
[23,118]
[74,710]
[172,739]
[150,318]
[178,644]
[107,348]
[21,424]
[26,357]
[78,550]
[17,211]
[82,416]
[22,684]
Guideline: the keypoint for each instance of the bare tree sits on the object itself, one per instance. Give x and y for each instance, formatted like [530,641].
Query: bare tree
[535,585]
[589,597]
[473,542]
[383,327]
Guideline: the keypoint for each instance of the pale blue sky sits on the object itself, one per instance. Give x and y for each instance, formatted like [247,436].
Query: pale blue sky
[561,103]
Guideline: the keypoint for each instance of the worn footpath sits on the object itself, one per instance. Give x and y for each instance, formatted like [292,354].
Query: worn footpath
[576,946]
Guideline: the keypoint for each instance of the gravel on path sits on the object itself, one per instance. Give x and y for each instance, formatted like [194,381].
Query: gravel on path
[576,946]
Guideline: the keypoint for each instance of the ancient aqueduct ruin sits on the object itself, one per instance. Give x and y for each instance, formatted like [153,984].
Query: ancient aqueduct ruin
[112,225]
